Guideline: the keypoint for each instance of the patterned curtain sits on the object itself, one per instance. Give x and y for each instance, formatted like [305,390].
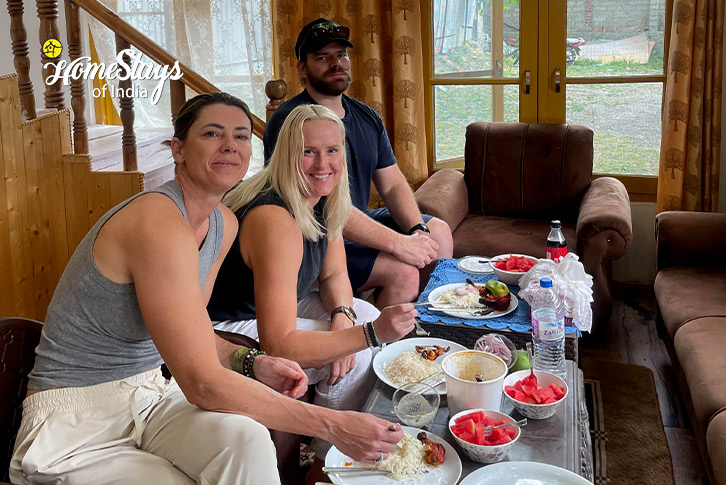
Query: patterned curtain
[386,65]
[691,132]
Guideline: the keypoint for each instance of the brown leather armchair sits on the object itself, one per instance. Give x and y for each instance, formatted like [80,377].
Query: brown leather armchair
[18,339]
[520,176]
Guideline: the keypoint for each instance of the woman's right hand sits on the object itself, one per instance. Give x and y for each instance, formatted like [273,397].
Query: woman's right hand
[364,437]
[395,322]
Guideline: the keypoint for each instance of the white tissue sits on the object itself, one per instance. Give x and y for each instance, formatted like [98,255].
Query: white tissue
[571,283]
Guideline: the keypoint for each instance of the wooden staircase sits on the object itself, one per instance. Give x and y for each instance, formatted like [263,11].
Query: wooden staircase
[49,199]
[153,152]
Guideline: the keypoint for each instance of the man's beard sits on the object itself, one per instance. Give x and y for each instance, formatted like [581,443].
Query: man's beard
[329,88]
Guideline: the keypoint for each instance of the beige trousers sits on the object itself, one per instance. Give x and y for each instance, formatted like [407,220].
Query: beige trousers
[138,430]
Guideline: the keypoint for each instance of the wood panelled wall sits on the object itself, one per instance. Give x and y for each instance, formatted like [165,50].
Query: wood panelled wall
[49,199]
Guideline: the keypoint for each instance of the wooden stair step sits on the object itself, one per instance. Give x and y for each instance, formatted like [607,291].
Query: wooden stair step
[153,153]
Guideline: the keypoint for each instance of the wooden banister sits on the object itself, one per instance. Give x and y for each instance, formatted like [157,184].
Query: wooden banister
[178,97]
[275,89]
[19,37]
[153,50]
[126,103]
[78,99]
[48,15]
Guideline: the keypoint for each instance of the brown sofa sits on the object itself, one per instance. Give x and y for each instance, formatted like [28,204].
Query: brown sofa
[690,291]
[517,178]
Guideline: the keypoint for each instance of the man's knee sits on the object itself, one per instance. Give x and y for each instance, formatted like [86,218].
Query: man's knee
[441,233]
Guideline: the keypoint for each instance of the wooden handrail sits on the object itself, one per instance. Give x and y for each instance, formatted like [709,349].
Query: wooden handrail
[154,51]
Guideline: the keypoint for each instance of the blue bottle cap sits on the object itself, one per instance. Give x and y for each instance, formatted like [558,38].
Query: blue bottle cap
[545,282]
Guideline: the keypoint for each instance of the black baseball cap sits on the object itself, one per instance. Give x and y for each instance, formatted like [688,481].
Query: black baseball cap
[319,33]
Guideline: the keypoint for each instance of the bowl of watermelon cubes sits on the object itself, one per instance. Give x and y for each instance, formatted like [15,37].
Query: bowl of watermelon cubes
[537,398]
[468,428]
[509,268]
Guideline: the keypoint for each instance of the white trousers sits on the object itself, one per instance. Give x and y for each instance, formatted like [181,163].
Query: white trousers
[139,430]
[353,390]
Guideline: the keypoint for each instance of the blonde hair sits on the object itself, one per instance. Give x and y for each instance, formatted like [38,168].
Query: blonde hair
[284,175]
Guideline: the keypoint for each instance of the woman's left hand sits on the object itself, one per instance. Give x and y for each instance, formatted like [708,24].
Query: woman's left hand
[339,368]
[283,375]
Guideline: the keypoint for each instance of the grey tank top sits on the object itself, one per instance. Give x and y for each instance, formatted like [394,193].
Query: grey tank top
[94,331]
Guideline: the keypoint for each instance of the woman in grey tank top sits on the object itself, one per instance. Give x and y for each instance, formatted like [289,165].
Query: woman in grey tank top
[98,408]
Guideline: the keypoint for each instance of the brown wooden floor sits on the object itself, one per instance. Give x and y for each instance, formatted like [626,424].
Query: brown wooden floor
[631,338]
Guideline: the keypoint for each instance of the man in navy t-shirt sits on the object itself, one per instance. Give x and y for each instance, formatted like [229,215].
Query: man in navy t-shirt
[384,250]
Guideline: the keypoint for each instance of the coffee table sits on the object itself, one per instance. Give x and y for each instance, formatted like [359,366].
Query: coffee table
[562,440]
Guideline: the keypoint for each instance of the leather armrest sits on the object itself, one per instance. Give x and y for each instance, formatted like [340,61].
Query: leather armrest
[690,239]
[239,339]
[605,219]
[444,195]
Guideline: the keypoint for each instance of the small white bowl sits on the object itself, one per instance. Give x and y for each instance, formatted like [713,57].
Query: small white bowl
[544,379]
[482,453]
[509,277]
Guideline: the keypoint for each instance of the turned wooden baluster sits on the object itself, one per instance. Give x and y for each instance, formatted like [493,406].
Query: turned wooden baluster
[275,89]
[128,139]
[19,37]
[78,97]
[48,15]
[178,97]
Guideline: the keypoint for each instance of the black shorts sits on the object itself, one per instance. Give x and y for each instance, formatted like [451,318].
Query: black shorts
[360,259]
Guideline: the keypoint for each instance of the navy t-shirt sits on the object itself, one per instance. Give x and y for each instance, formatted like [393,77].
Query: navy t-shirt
[367,145]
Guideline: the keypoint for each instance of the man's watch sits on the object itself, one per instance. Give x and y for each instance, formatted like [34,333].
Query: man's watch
[349,312]
[421,226]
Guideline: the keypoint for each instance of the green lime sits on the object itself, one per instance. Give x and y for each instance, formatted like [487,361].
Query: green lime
[522,361]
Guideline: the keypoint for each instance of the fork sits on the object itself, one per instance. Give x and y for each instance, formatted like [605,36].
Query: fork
[419,330]
[489,429]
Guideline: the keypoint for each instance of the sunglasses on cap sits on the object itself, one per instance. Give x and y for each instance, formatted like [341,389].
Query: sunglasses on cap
[323,31]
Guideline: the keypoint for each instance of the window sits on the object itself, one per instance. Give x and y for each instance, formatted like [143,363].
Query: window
[500,60]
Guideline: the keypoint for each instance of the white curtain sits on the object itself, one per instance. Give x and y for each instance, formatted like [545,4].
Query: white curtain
[228,42]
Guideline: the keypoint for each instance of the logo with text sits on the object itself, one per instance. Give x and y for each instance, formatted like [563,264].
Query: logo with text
[132,68]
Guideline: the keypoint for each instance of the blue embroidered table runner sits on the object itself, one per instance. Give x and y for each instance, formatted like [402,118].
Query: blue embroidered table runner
[446,272]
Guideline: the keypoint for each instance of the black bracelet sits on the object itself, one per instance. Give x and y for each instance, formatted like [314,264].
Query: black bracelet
[372,334]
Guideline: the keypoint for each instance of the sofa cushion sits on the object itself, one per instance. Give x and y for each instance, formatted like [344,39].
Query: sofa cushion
[699,346]
[527,170]
[490,236]
[685,293]
[716,445]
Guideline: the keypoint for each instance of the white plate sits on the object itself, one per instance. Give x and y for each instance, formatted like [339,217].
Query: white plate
[475,265]
[521,473]
[446,474]
[391,351]
[437,292]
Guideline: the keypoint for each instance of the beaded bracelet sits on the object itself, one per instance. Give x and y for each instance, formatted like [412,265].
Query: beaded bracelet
[365,334]
[372,334]
[243,360]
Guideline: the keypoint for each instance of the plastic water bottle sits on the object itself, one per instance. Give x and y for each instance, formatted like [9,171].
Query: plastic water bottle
[548,329]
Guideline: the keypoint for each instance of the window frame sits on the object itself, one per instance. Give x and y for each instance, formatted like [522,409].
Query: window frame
[641,188]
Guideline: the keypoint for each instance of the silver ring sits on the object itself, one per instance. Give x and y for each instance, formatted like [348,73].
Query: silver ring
[380,458]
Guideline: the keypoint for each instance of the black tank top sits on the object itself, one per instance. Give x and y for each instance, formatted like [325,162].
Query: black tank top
[233,297]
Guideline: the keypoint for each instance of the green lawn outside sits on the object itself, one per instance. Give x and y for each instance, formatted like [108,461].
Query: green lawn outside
[613,111]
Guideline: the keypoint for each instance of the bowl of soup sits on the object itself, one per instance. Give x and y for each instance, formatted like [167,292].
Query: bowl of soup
[473,380]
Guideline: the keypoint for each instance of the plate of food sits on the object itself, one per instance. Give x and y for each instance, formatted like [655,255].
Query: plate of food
[412,360]
[518,472]
[410,463]
[464,301]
